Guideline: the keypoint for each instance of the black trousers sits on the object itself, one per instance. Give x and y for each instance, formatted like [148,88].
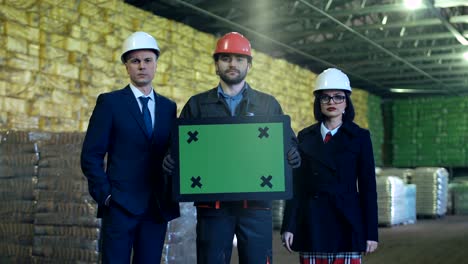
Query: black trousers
[216,229]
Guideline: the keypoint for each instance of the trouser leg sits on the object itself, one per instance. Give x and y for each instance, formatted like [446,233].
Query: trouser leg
[254,237]
[215,232]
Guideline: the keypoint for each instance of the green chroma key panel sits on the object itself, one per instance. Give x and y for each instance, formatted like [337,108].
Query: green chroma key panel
[235,158]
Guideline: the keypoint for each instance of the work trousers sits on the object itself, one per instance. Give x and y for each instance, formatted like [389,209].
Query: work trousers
[216,229]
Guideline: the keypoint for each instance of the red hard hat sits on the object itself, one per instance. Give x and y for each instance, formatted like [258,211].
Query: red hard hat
[235,43]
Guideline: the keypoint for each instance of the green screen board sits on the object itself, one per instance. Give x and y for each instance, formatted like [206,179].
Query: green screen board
[236,158]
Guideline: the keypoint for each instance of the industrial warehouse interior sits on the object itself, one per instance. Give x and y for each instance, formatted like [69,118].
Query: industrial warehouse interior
[407,62]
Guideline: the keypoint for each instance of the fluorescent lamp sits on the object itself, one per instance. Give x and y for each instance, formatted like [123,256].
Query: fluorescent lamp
[465,55]
[413,4]
[403,90]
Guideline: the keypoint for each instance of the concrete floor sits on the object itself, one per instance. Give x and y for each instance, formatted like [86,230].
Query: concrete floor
[428,241]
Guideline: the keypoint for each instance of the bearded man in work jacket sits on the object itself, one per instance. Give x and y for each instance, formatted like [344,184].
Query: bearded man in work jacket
[249,220]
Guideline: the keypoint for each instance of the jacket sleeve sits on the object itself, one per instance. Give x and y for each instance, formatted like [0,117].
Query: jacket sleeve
[94,150]
[367,187]
[190,109]
[277,110]
[291,210]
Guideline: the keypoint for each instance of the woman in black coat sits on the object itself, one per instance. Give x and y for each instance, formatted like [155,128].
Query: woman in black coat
[333,214]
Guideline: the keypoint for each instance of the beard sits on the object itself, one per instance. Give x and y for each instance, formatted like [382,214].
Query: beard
[233,80]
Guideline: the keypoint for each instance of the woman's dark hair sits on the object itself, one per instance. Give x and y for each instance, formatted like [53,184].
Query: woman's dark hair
[349,110]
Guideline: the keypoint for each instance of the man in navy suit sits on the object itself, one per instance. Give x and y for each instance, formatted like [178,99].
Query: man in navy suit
[126,140]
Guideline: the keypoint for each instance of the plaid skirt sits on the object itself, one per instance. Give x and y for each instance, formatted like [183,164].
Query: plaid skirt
[330,258]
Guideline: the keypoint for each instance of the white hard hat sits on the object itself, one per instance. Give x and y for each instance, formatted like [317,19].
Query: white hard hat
[332,79]
[137,41]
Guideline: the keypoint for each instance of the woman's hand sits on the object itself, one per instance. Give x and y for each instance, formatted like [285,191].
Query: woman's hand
[371,246]
[287,239]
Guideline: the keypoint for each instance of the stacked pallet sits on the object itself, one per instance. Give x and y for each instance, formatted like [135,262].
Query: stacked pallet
[459,190]
[403,173]
[278,211]
[410,203]
[396,196]
[430,132]
[47,214]
[432,195]
[18,166]
[180,244]
[66,229]
[393,206]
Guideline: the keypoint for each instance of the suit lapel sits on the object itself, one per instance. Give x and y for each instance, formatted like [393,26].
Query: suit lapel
[344,137]
[157,115]
[134,109]
[318,150]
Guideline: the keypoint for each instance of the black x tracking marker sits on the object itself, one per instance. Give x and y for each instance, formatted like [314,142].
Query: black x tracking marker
[196,182]
[263,132]
[192,136]
[266,181]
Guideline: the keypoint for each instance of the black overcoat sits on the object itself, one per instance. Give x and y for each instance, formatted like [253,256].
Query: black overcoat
[334,207]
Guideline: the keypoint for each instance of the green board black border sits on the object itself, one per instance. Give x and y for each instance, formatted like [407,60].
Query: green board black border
[282,120]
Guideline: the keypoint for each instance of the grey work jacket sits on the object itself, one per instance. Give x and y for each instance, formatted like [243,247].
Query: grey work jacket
[253,103]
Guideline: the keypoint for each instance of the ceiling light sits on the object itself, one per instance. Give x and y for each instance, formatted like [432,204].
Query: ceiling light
[413,4]
[403,90]
[384,20]
[465,55]
[402,31]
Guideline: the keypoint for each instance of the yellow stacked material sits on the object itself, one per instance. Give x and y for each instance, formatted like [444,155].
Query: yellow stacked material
[13,44]
[15,105]
[289,83]
[22,61]
[15,11]
[21,31]
[21,122]
[58,124]
[62,53]
[360,98]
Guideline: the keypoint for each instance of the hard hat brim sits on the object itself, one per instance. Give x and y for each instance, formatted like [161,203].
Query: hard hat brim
[122,58]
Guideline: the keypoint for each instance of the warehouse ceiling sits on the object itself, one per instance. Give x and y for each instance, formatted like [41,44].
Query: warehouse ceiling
[384,47]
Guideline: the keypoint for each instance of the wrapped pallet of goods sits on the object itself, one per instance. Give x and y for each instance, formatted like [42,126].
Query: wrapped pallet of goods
[18,171]
[277,211]
[397,196]
[459,190]
[179,246]
[391,200]
[403,173]
[432,191]
[410,203]
[65,225]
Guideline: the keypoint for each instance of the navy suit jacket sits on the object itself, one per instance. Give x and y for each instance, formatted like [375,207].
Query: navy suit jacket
[133,173]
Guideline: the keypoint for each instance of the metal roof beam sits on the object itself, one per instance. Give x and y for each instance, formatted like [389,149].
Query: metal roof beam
[443,73]
[370,10]
[401,51]
[428,67]
[334,44]
[447,24]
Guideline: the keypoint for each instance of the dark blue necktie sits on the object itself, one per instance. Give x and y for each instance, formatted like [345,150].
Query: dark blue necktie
[146,115]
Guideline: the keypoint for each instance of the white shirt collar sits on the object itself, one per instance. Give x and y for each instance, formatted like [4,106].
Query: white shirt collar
[138,93]
[324,130]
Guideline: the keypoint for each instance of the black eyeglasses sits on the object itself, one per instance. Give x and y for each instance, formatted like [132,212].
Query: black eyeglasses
[338,99]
